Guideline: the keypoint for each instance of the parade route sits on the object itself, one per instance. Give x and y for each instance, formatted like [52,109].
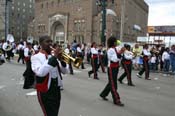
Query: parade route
[80,96]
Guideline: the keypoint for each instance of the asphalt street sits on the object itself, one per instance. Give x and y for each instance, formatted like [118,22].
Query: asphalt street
[80,96]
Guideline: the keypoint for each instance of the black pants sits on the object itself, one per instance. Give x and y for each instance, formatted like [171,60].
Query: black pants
[28,76]
[100,64]
[127,72]
[94,63]
[145,69]
[21,56]
[112,85]
[70,68]
[50,101]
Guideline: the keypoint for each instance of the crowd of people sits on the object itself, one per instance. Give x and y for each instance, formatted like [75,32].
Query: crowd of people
[45,65]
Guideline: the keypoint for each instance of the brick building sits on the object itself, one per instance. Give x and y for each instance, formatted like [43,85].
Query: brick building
[66,20]
[21,13]
[2,19]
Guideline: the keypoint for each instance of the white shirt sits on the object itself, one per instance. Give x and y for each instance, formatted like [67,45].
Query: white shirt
[79,49]
[94,51]
[112,56]
[41,68]
[67,51]
[20,47]
[146,52]
[165,56]
[153,59]
[128,55]
[26,52]
[35,47]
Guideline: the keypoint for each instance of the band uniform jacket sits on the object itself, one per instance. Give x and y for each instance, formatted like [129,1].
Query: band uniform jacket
[112,56]
[41,68]
[128,55]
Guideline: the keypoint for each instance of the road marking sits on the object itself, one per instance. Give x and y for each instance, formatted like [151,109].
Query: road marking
[33,93]
[157,88]
[2,86]
[77,71]
[155,78]
[126,82]
[21,83]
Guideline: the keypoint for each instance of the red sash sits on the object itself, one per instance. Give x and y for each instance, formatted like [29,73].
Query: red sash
[127,62]
[43,86]
[114,65]
[145,58]
[94,56]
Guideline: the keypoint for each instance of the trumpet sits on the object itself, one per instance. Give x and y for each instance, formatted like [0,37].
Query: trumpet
[68,59]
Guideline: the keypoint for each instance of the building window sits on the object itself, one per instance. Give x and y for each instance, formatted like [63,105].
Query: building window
[18,15]
[30,6]
[52,3]
[47,5]
[42,5]
[12,13]
[58,1]
[23,16]
[13,7]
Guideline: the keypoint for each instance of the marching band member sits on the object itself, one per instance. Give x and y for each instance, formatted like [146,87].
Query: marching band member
[127,65]
[36,47]
[94,60]
[2,59]
[48,69]
[67,51]
[146,54]
[21,48]
[100,57]
[80,54]
[136,52]
[28,73]
[113,68]
[7,47]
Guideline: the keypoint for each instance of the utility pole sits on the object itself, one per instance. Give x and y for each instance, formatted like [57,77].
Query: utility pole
[103,5]
[103,33]
[7,17]
[122,21]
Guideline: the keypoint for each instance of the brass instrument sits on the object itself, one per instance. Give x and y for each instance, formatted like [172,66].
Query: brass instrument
[8,47]
[32,51]
[67,59]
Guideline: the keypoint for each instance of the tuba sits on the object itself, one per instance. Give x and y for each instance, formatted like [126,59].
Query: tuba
[30,39]
[67,59]
[8,47]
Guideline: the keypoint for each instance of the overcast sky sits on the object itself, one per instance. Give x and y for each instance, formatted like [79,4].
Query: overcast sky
[161,12]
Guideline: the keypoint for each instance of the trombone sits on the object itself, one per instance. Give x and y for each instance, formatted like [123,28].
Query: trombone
[67,59]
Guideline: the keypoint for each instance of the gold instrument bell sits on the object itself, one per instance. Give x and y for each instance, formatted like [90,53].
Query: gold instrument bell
[67,59]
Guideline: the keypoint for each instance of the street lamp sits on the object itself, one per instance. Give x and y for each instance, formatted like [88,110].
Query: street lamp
[103,4]
[7,17]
